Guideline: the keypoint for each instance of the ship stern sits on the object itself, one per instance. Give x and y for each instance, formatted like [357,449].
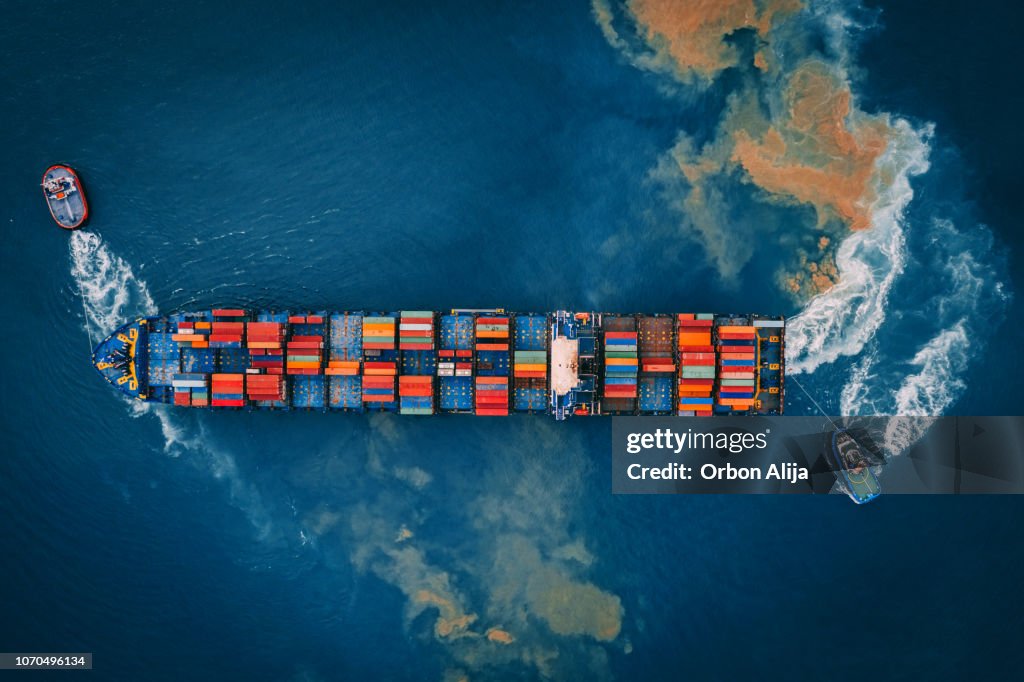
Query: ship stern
[121,359]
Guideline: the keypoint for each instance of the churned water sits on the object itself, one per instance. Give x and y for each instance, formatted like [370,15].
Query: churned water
[425,156]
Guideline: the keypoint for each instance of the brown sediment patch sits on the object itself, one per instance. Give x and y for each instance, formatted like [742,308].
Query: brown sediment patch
[819,152]
[814,276]
[451,620]
[500,636]
[403,534]
[693,32]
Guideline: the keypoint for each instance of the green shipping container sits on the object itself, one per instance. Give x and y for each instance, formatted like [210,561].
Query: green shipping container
[698,372]
[737,382]
[417,313]
[379,320]
[416,410]
[416,339]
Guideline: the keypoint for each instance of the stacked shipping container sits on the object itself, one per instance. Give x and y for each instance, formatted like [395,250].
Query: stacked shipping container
[380,361]
[530,367]
[621,364]
[190,390]
[696,364]
[346,352]
[736,352]
[455,363]
[657,366]
[227,390]
[492,366]
[416,341]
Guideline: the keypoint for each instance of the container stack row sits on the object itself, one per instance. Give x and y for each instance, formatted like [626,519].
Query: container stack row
[380,361]
[265,341]
[191,390]
[306,346]
[416,394]
[621,364]
[378,333]
[696,364]
[226,334]
[455,363]
[345,388]
[492,365]
[657,365]
[227,390]
[416,330]
[192,334]
[265,387]
[736,352]
[530,363]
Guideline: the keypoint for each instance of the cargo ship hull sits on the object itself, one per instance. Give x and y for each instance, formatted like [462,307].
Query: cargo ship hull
[483,362]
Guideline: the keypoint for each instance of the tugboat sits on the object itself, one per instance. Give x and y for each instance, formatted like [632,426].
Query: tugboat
[853,468]
[64,196]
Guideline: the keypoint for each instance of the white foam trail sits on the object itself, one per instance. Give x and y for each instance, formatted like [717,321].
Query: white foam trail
[842,320]
[110,291]
[937,383]
[967,299]
[857,396]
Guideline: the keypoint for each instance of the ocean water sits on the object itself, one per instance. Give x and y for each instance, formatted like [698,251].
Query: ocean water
[355,155]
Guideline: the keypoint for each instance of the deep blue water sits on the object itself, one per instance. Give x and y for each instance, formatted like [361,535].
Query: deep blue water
[430,156]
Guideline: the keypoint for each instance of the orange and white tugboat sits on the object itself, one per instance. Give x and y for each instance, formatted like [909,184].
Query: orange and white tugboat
[64,196]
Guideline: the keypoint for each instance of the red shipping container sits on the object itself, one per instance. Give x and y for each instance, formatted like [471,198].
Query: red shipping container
[416,391]
[315,319]
[296,319]
[446,353]
[492,320]
[697,349]
[697,382]
[696,363]
[275,370]
[491,412]
[182,399]
[378,346]
[225,337]
[464,353]
[620,335]
[186,325]
[221,402]
[416,320]
[228,312]
[417,346]
[695,323]
[524,374]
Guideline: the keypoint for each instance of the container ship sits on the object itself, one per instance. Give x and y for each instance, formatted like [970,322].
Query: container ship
[483,362]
